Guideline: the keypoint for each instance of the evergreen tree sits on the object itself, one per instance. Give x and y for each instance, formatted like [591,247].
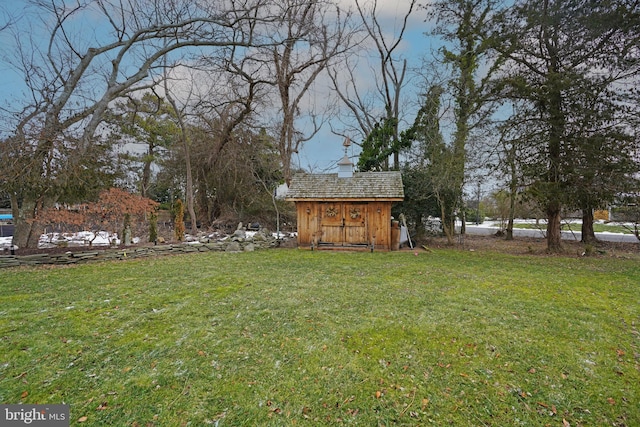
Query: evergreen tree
[379,145]
[149,121]
[463,26]
[565,60]
[430,185]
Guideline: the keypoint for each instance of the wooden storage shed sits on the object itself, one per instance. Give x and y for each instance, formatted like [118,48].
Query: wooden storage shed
[345,210]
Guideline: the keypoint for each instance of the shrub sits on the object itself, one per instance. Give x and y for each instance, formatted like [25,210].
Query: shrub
[179,221]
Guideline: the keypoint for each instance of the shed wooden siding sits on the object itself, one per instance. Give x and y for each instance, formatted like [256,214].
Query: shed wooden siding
[345,211]
[377,224]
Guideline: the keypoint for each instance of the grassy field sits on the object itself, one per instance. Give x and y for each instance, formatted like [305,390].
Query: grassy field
[288,337]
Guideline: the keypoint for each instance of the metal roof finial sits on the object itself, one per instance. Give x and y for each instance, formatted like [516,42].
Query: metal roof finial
[346,144]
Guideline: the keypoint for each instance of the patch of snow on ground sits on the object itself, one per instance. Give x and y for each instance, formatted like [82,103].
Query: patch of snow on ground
[103,238]
[83,238]
[5,242]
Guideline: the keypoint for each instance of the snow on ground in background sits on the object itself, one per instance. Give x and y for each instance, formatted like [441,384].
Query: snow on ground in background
[83,238]
[193,240]
[5,242]
[104,238]
[542,222]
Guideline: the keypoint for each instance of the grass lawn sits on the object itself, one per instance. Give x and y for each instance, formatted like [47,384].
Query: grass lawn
[288,337]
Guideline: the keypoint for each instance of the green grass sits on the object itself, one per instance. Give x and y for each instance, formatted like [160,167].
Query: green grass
[287,337]
[597,227]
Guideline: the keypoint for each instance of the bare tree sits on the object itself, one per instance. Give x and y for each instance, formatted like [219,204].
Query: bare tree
[213,95]
[73,76]
[307,36]
[6,19]
[390,71]
[180,114]
[236,86]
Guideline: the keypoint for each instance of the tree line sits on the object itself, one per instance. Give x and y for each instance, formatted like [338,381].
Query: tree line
[539,96]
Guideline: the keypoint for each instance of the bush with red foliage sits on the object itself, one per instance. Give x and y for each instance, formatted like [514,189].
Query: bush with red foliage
[107,213]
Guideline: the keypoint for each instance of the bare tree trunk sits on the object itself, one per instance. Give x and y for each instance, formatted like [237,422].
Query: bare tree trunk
[554,235]
[463,221]
[27,228]
[512,209]
[189,184]
[588,235]
[448,226]
[188,171]
[146,172]
[22,217]
[184,137]
[513,192]
[509,235]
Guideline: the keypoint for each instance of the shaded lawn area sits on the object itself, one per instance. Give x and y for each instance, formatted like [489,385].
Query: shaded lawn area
[288,337]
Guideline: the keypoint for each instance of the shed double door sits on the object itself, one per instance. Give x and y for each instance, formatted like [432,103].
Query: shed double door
[343,223]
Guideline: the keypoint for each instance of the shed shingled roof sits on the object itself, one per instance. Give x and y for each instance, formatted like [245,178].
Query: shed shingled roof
[363,185]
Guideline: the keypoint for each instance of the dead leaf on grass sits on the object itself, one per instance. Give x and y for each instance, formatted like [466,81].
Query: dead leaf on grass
[82,419]
[348,399]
